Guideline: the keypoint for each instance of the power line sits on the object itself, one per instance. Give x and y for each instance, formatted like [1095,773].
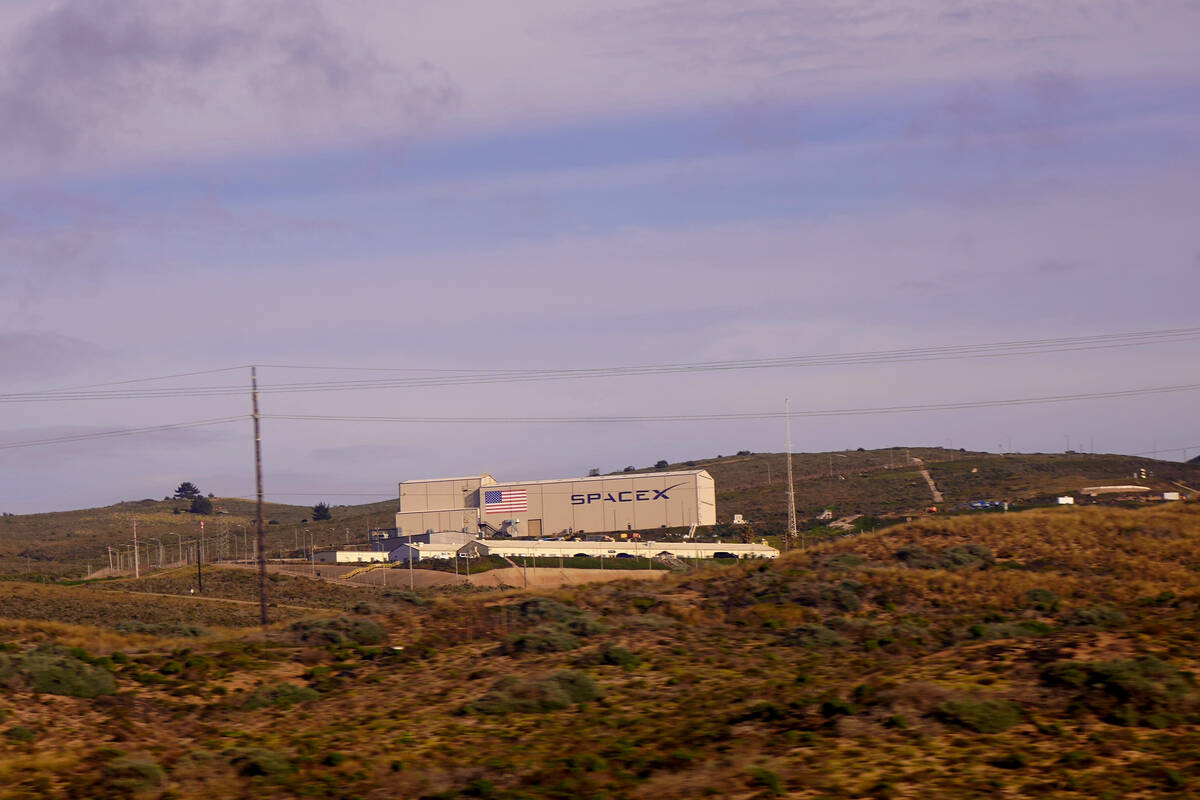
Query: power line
[712,417]
[480,377]
[751,415]
[82,437]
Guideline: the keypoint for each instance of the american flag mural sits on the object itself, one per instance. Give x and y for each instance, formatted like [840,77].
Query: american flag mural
[504,500]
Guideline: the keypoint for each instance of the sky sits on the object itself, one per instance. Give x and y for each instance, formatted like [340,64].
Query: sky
[436,188]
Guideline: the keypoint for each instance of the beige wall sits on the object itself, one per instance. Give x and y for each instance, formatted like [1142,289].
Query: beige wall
[614,503]
[448,520]
[438,495]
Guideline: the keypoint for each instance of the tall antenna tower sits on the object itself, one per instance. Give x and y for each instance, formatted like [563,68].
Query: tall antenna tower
[791,528]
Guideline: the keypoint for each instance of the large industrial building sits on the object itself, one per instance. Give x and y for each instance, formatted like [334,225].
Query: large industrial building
[535,509]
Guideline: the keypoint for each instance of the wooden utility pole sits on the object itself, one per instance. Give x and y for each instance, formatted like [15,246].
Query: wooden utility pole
[136,568]
[258,511]
[791,529]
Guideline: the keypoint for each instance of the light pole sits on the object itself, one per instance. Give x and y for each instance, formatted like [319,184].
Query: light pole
[160,549]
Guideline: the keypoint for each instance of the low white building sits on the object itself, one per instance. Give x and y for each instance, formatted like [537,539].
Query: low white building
[349,556]
[418,551]
[518,548]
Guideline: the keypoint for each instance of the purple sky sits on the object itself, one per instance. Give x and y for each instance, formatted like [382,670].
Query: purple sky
[202,184]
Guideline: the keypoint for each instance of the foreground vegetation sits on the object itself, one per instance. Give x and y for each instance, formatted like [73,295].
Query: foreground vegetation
[1045,653]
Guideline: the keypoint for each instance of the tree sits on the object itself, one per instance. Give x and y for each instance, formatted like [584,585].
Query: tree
[187,491]
[661,464]
[321,512]
[201,505]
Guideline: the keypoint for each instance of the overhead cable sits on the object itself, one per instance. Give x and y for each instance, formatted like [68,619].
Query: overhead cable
[479,377]
[752,415]
[82,437]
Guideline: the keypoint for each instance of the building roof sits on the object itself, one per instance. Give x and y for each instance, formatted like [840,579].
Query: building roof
[617,477]
[444,480]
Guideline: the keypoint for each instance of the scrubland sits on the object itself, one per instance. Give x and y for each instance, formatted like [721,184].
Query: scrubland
[1047,653]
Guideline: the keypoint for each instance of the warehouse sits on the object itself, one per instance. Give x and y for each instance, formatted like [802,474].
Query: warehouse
[348,556]
[517,548]
[565,506]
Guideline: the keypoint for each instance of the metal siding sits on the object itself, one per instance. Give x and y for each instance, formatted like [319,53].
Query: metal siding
[693,501]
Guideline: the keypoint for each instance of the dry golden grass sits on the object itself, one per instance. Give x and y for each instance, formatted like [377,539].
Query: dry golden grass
[724,699]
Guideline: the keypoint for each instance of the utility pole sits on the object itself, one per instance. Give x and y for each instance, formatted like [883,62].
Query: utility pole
[136,569]
[258,486]
[791,493]
[200,560]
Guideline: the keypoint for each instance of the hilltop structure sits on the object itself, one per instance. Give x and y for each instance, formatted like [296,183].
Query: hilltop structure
[565,506]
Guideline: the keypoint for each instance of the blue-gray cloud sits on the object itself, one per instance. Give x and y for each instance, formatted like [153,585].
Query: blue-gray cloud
[83,75]
[44,354]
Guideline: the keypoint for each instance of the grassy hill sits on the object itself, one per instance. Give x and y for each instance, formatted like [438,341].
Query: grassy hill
[875,483]
[885,482]
[1049,652]
[67,542]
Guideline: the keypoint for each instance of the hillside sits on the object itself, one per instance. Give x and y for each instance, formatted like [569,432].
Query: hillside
[875,483]
[1043,653]
[881,482]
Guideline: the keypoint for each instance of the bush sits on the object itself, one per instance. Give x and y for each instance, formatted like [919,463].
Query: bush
[958,557]
[842,561]
[19,733]
[281,695]
[612,655]
[257,761]
[553,637]
[159,628]
[1145,691]
[516,695]
[772,783]
[131,775]
[1095,617]
[52,673]
[1043,600]
[814,635]
[981,716]
[337,631]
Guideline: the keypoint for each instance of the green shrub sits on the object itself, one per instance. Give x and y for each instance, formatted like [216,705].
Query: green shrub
[131,775]
[19,733]
[337,631]
[543,608]
[981,716]
[841,561]
[814,635]
[159,628]
[1095,617]
[958,557]
[281,695]
[257,761]
[404,596]
[54,673]
[1043,600]
[1144,691]
[612,655]
[1010,761]
[533,695]
[1009,630]
[553,637]
[768,780]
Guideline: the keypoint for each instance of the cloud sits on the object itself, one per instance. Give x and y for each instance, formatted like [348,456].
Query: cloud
[98,78]
[42,354]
